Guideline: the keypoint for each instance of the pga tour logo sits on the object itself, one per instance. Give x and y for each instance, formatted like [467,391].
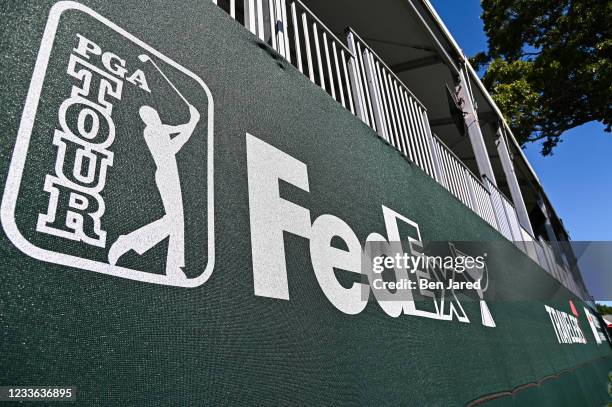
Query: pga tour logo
[110,157]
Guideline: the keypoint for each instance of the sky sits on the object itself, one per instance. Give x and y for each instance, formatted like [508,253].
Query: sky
[578,177]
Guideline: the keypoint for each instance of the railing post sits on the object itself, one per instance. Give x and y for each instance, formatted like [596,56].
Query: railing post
[473,128]
[498,206]
[283,14]
[376,95]
[249,16]
[279,27]
[475,206]
[272,18]
[355,73]
[435,157]
[513,185]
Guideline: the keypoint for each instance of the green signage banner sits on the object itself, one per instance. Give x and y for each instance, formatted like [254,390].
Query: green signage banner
[188,220]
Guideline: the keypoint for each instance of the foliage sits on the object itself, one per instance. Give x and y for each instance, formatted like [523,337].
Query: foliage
[549,66]
[604,309]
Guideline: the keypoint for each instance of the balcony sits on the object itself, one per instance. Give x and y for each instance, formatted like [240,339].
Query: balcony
[472,152]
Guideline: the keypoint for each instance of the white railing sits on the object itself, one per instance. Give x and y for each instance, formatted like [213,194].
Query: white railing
[530,245]
[542,253]
[292,30]
[555,269]
[356,77]
[505,214]
[388,106]
[463,184]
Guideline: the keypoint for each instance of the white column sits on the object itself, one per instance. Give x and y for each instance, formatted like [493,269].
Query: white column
[513,185]
[473,127]
[550,231]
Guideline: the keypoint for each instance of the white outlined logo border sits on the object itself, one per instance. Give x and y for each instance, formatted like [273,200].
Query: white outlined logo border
[15,173]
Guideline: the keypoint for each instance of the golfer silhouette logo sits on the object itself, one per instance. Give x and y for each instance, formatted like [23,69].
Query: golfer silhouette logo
[164,142]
